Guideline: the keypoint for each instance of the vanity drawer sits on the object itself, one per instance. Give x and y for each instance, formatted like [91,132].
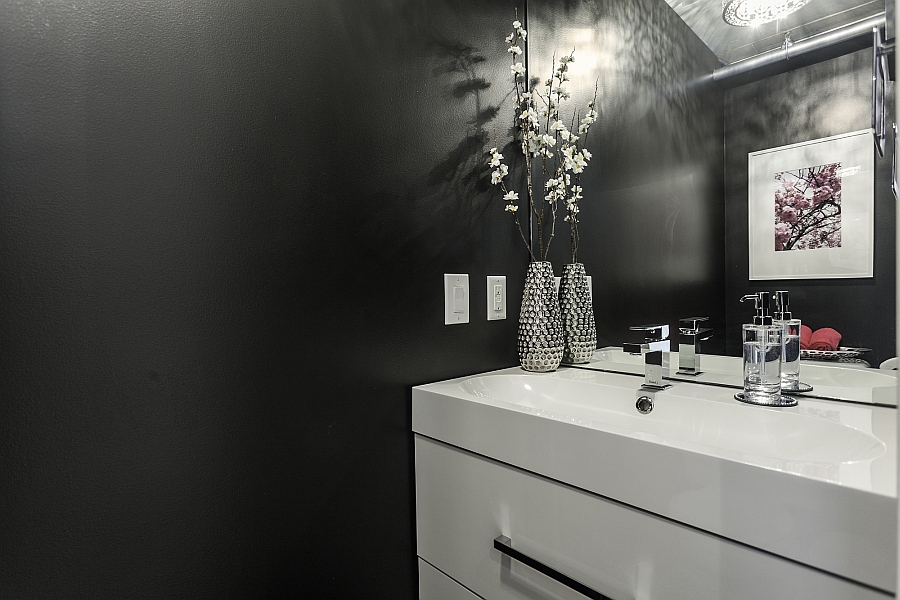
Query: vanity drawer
[434,585]
[465,501]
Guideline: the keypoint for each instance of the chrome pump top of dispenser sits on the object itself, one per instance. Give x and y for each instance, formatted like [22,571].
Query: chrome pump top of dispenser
[761,306]
[762,357]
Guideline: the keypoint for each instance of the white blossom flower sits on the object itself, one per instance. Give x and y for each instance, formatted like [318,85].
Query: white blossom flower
[498,175]
[517,25]
[551,183]
[587,155]
[511,208]
[510,38]
[530,116]
[548,140]
[518,69]
[579,163]
[522,33]
[557,125]
[495,160]
[514,50]
[510,196]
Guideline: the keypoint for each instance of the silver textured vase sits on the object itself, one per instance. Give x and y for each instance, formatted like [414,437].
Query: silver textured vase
[577,315]
[540,326]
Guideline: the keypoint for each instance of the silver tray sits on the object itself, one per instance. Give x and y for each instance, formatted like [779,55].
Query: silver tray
[838,354]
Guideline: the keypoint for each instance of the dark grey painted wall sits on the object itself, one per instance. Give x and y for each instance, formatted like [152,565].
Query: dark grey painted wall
[652,222]
[222,232]
[817,101]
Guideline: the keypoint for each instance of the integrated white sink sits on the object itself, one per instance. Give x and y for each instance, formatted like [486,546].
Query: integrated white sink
[814,483]
[689,417]
[829,381]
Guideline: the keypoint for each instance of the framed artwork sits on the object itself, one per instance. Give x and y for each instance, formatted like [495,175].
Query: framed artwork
[811,209]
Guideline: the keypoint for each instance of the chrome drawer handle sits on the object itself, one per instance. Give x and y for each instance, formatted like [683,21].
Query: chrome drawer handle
[504,545]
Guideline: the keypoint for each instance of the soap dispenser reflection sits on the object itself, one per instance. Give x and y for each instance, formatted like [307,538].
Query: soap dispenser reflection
[790,342]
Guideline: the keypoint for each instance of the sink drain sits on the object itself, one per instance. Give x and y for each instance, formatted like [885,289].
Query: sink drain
[644,404]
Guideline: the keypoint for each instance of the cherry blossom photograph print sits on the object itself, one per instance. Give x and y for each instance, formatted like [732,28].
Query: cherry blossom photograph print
[808,208]
[811,209]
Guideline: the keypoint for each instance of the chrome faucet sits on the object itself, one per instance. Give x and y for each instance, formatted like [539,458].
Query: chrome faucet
[690,336]
[655,349]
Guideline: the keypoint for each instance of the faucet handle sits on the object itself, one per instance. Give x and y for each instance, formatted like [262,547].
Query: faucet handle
[653,333]
[691,325]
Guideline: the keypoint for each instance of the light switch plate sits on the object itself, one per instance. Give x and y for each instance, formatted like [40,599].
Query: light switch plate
[496,297]
[456,299]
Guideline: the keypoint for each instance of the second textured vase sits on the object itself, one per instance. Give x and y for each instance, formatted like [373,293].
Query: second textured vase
[577,315]
[540,327]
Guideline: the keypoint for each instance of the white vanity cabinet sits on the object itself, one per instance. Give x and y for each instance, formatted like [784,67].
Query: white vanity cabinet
[464,501]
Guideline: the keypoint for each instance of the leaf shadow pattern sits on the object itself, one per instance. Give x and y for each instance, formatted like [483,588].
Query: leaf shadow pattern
[463,171]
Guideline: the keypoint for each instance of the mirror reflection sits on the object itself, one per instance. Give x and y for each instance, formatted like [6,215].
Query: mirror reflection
[797,101]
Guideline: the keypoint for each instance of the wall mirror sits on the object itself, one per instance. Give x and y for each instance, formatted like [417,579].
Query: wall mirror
[862,309]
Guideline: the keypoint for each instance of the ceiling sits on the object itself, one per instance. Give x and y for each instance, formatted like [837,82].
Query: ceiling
[732,43]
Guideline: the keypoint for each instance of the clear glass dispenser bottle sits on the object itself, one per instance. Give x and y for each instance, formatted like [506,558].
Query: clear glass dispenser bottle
[790,342]
[762,356]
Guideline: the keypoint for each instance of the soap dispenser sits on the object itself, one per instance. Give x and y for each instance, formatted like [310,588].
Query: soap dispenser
[790,344]
[762,357]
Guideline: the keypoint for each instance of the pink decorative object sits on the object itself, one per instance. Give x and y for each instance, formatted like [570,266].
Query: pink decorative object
[825,339]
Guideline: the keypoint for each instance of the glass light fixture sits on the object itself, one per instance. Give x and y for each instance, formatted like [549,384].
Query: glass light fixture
[747,13]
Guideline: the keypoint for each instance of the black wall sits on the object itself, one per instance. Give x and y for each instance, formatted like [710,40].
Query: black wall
[652,222]
[817,101]
[223,227]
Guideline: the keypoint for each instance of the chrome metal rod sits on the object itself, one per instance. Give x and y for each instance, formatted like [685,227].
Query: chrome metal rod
[504,545]
[810,44]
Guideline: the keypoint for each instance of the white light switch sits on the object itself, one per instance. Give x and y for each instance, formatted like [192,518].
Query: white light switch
[456,299]
[459,299]
[496,297]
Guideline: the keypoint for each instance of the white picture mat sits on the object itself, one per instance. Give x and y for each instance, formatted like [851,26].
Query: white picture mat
[855,257]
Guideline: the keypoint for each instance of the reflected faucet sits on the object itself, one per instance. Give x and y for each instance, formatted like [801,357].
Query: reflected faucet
[655,349]
[690,336]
